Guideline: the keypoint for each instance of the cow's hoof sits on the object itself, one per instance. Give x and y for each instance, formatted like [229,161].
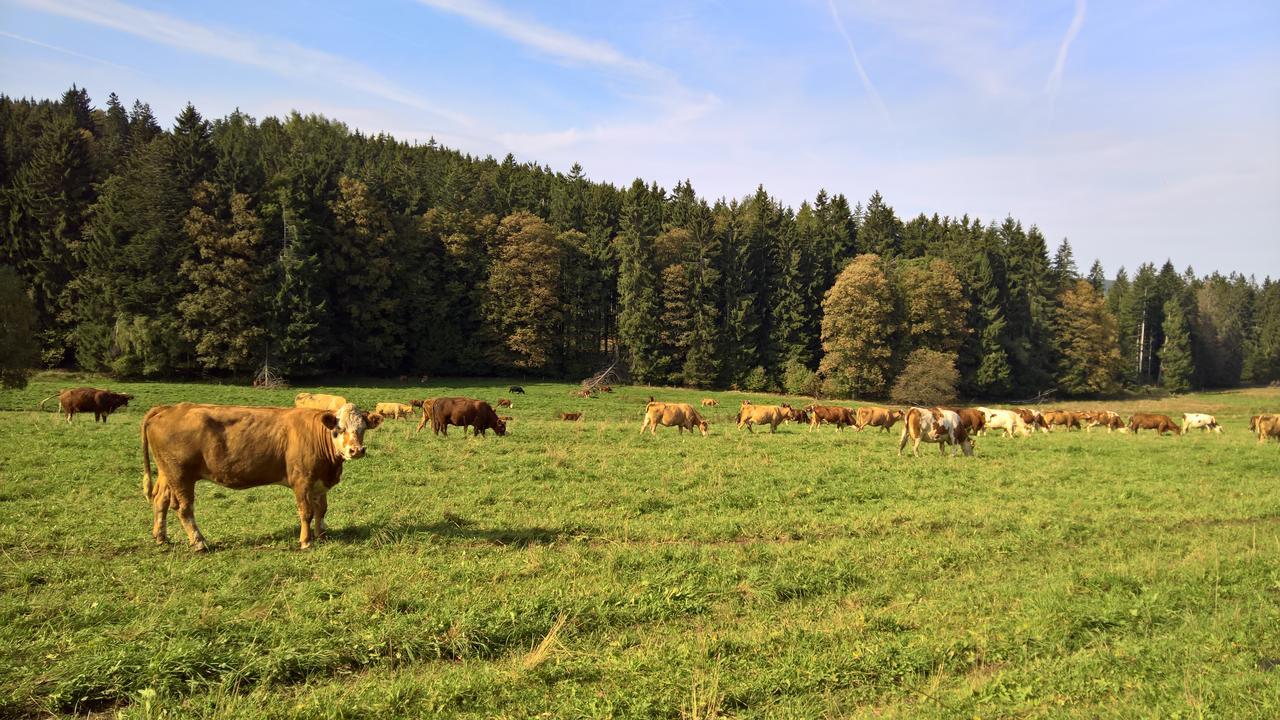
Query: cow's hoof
[200,547]
[162,540]
[304,546]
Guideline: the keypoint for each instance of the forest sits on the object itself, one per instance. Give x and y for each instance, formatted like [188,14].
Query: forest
[214,246]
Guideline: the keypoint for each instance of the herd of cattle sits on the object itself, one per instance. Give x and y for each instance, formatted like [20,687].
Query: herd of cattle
[305,446]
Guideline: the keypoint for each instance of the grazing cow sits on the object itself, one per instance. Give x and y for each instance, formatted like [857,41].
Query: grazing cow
[1064,418]
[974,420]
[1253,421]
[1191,421]
[1267,426]
[1151,421]
[772,415]
[515,390]
[393,410]
[464,413]
[706,402]
[504,402]
[319,401]
[243,447]
[1033,418]
[833,414]
[1007,420]
[570,416]
[677,415]
[935,425]
[1108,419]
[99,402]
[882,418]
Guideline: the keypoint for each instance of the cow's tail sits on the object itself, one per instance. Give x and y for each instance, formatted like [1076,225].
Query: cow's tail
[42,402]
[148,486]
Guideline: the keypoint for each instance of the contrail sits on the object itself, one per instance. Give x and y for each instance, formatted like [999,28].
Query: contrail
[862,73]
[1055,78]
[62,50]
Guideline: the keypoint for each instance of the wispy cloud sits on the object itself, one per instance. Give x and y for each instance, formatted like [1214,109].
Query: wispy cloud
[1054,83]
[857,63]
[275,55]
[62,50]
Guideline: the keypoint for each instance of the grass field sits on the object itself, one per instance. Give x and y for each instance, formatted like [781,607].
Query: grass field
[581,570]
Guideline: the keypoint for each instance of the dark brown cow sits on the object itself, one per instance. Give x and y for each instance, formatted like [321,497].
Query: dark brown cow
[85,399]
[243,447]
[832,414]
[974,420]
[1151,421]
[882,418]
[464,413]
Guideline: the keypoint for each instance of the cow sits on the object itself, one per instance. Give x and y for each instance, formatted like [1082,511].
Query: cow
[1151,421]
[772,415]
[504,402]
[1253,421]
[582,394]
[877,417]
[1033,418]
[242,447]
[1267,426]
[1064,418]
[516,390]
[678,415]
[1191,421]
[571,416]
[974,420]
[1007,420]
[832,414]
[319,401]
[393,410]
[85,399]
[1109,419]
[935,425]
[799,417]
[708,402]
[464,413]
[426,406]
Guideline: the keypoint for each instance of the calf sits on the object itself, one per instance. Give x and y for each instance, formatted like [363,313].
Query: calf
[706,402]
[243,447]
[504,402]
[1151,421]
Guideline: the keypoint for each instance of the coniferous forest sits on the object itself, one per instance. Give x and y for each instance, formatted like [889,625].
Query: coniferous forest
[212,246]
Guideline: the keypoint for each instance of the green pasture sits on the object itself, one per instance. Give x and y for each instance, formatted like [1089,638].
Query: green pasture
[579,569]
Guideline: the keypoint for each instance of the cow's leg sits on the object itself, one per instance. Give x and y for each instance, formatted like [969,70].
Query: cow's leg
[305,513]
[421,423]
[160,509]
[902,441]
[320,504]
[184,496]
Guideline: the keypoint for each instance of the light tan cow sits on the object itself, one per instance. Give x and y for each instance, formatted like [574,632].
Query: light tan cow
[243,447]
[393,410]
[772,415]
[1267,426]
[935,425]
[1007,420]
[882,418]
[677,415]
[427,405]
[319,401]
[710,402]
[1201,421]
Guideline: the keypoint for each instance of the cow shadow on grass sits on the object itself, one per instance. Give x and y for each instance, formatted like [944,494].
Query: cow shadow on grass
[452,529]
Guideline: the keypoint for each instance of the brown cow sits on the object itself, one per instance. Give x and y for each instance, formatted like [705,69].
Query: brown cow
[1033,418]
[570,416]
[935,425]
[708,402]
[1108,419]
[772,415]
[678,415]
[504,402]
[244,447]
[974,420]
[393,410]
[1151,421]
[465,412]
[1267,426]
[882,418]
[1067,419]
[85,399]
[426,406]
[832,414]
[319,401]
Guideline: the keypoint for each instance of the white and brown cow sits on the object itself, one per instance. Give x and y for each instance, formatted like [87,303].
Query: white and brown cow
[1007,420]
[935,425]
[1201,421]
[243,447]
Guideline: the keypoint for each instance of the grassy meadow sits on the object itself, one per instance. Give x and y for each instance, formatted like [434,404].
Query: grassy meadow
[578,569]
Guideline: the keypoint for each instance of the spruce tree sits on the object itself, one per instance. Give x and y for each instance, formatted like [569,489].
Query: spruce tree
[1177,369]
[1098,277]
[880,231]
[638,284]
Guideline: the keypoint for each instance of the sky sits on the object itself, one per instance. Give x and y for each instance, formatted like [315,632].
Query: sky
[1141,131]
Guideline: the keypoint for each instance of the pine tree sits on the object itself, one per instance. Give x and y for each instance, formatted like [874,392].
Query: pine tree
[1262,357]
[1098,277]
[880,231]
[363,260]
[638,284]
[19,351]
[1177,368]
[993,375]
[1063,269]
[701,361]
[858,325]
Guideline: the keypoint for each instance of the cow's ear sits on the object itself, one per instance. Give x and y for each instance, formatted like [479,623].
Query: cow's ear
[372,420]
[329,420]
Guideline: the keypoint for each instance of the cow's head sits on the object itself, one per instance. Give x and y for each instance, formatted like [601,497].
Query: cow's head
[346,428]
[499,426]
[115,400]
[703,425]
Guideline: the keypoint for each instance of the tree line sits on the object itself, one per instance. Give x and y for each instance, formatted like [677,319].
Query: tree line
[211,247]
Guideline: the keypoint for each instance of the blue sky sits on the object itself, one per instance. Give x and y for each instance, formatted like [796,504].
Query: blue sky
[1139,130]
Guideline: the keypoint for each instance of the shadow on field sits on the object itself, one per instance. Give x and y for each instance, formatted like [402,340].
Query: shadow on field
[454,528]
